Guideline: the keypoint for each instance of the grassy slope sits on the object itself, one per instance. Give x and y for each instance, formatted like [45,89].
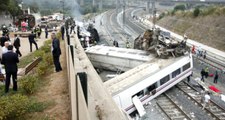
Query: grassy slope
[209,30]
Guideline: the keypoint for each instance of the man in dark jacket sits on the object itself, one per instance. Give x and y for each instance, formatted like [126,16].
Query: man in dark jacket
[16,44]
[3,40]
[56,52]
[63,31]
[32,41]
[10,60]
[46,31]
[216,77]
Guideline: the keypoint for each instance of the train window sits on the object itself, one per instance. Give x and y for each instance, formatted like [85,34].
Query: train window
[139,94]
[121,51]
[152,88]
[176,72]
[164,80]
[185,67]
[112,50]
[132,52]
[143,54]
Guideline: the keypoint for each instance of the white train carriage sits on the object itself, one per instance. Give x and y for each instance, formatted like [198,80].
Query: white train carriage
[114,58]
[148,80]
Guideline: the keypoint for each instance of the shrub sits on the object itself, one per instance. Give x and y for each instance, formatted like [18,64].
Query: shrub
[41,68]
[48,58]
[196,12]
[47,46]
[29,83]
[13,106]
[39,53]
[208,11]
[179,7]
[161,16]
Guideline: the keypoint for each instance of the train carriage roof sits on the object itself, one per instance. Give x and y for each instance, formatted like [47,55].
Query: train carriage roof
[131,77]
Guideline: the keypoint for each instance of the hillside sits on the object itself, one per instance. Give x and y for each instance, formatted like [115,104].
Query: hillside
[208,29]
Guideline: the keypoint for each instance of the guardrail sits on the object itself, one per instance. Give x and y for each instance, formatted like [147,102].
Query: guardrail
[79,110]
[101,105]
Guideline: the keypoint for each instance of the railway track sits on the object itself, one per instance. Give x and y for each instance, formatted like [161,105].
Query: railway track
[216,111]
[171,109]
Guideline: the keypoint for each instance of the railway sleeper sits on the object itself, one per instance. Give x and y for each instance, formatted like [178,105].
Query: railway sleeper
[178,118]
[168,107]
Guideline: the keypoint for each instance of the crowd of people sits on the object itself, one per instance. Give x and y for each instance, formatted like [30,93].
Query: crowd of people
[10,53]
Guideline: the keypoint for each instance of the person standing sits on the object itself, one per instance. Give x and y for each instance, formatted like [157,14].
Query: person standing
[127,44]
[3,40]
[5,48]
[72,28]
[206,72]
[115,43]
[10,60]
[216,77]
[39,31]
[32,41]
[202,74]
[16,44]
[193,49]
[204,54]
[46,31]
[206,101]
[56,52]
[62,31]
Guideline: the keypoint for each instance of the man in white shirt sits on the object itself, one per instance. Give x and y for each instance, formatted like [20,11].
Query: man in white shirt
[5,48]
[206,100]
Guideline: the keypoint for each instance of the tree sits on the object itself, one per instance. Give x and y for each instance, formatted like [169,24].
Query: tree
[14,9]
[3,5]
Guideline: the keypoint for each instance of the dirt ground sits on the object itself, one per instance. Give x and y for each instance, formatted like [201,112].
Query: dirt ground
[57,92]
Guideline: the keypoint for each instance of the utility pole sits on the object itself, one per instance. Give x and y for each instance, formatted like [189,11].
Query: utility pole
[117,5]
[124,15]
[62,1]
[93,3]
[147,6]
[100,5]
[153,14]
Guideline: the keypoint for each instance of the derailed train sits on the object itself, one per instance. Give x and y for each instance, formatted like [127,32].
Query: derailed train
[154,77]
[148,80]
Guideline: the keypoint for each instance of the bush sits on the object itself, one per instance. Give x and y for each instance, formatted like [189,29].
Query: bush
[41,68]
[179,7]
[161,16]
[13,106]
[196,12]
[47,57]
[39,53]
[208,11]
[29,83]
[47,46]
